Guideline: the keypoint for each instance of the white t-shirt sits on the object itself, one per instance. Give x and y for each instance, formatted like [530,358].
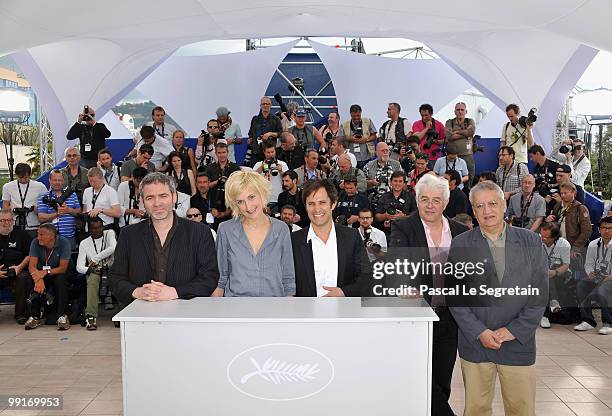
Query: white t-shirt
[123,193]
[183,203]
[106,198]
[29,193]
[276,182]
[377,237]
[325,259]
[561,250]
[101,250]
[161,150]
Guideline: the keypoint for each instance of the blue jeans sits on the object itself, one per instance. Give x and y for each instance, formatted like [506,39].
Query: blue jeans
[588,292]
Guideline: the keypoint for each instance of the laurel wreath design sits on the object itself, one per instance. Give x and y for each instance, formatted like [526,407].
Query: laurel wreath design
[277,372]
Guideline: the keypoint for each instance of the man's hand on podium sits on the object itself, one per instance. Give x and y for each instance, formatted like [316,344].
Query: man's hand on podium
[155,291]
[333,292]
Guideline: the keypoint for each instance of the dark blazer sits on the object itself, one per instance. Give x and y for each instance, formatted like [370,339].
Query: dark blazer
[409,239]
[353,264]
[192,262]
[525,264]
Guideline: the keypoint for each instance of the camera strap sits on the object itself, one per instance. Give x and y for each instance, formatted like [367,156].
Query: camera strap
[161,134]
[576,163]
[505,175]
[23,196]
[604,252]
[521,136]
[449,167]
[552,250]
[94,196]
[525,207]
[103,243]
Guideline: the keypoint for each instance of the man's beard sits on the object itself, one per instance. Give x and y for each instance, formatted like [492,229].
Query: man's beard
[285,187]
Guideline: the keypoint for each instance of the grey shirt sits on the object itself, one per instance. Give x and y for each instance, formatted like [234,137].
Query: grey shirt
[536,207]
[498,252]
[241,273]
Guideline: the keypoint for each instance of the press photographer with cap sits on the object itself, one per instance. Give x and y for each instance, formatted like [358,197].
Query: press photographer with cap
[305,134]
[231,131]
[571,152]
[91,134]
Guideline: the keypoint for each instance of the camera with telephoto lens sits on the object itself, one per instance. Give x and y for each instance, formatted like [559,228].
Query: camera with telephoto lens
[54,202]
[520,222]
[329,137]
[22,214]
[270,165]
[323,155]
[542,187]
[475,146]
[431,136]
[392,211]
[369,243]
[529,119]
[86,116]
[566,148]
[220,135]
[601,272]
[358,132]
[341,220]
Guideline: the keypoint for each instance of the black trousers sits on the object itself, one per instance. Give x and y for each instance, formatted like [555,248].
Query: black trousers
[443,361]
[58,286]
[21,292]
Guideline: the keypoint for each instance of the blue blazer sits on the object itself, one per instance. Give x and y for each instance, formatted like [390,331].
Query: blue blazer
[525,264]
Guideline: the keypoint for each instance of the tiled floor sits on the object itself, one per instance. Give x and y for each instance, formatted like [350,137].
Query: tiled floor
[574,370]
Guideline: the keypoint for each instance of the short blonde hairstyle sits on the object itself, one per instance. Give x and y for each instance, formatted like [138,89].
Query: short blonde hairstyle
[245,180]
[179,131]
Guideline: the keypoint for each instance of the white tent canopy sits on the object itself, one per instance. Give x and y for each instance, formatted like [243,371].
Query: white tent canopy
[531,53]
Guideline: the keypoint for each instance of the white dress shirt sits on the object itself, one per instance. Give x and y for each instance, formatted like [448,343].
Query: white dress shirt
[325,260]
[102,249]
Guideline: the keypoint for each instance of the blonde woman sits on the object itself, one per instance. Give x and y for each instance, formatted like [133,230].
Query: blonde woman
[253,250]
[178,142]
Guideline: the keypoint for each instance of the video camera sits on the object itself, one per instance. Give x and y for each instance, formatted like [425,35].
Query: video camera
[54,202]
[21,221]
[566,148]
[529,119]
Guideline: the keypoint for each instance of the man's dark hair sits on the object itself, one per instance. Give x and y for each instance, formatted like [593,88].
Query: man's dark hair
[536,148]
[49,227]
[220,146]
[508,149]
[103,151]
[157,108]
[212,120]
[413,139]
[310,151]
[289,206]
[139,172]
[336,113]
[22,169]
[312,187]
[201,175]
[487,175]
[553,227]
[147,132]
[351,179]
[291,174]
[604,220]
[355,108]
[146,148]
[94,220]
[269,143]
[366,209]
[397,106]
[422,156]
[398,174]
[513,107]
[426,107]
[454,176]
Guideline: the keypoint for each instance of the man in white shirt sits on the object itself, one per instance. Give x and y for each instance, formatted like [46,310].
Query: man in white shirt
[183,203]
[95,258]
[162,129]
[100,200]
[161,147]
[272,168]
[374,239]
[112,177]
[578,160]
[287,215]
[329,260]
[517,135]
[336,148]
[558,252]
[129,198]
[21,195]
[452,162]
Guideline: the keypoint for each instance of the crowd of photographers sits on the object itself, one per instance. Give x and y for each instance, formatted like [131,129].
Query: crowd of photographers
[374,171]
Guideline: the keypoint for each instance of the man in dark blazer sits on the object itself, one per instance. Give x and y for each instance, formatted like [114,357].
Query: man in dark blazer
[426,235]
[497,330]
[330,260]
[165,257]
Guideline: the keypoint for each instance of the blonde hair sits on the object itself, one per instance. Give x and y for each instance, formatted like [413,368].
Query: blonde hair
[245,180]
[179,131]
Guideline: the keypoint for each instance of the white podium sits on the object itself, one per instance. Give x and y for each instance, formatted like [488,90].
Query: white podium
[275,356]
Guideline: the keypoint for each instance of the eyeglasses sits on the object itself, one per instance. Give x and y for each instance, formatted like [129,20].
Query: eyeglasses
[75,155]
[491,205]
[213,127]
[365,218]
[600,228]
[6,221]
[434,201]
[193,215]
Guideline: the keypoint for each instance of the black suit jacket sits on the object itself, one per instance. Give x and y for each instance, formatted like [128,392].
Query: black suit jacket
[353,263]
[409,240]
[192,262]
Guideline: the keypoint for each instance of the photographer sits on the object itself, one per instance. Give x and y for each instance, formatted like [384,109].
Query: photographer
[287,117]
[378,172]
[359,133]
[48,266]
[396,203]
[344,171]
[457,201]
[374,239]
[231,131]
[310,171]
[112,176]
[408,153]
[558,252]
[161,147]
[598,285]
[571,152]
[187,155]
[510,173]
[205,148]
[91,134]
[336,149]
[395,131]
[21,195]
[14,249]
[218,172]
[201,200]
[129,200]
[452,162]
[289,152]
[101,200]
[526,209]
[545,175]
[420,169]
[332,129]
[287,215]
[75,176]
[430,132]
[305,134]
[349,204]
[60,207]
[517,132]
[271,168]
[459,133]
[162,129]
[264,126]
[292,195]
[95,258]
[143,158]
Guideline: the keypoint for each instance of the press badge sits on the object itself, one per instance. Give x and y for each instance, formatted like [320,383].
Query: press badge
[46,268]
[88,147]
[209,218]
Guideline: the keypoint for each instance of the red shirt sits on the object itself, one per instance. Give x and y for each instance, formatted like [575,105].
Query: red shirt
[432,152]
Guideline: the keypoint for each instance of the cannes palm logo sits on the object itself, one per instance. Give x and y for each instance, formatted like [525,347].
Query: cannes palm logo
[280,372]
